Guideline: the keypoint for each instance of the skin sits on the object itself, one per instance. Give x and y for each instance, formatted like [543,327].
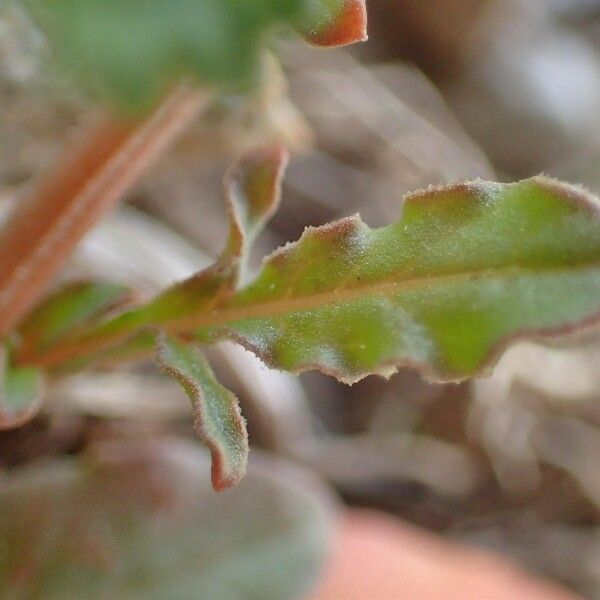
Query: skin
[381,557]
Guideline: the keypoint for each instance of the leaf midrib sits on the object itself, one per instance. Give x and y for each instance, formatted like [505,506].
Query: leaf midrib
[231,313]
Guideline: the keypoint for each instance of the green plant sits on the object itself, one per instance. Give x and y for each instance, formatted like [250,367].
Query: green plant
[466,269]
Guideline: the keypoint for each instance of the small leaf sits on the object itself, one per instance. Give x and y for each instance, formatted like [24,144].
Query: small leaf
[252,193]
[467,269]
[66,309]
[138,520]
[218,420]
[21,390]
[344,24]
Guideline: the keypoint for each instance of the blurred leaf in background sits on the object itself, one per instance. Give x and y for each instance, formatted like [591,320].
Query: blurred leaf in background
[133,50]
[141,521]
[21,392]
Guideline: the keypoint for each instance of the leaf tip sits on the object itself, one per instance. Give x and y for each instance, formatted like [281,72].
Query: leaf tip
[218,419]
[223,478]
[253,192]
[271,159]
[349,26]
[21,394]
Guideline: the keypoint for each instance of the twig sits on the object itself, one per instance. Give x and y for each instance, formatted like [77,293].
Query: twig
[39,236]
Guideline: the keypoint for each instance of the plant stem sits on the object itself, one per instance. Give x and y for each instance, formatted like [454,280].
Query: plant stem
[39,236]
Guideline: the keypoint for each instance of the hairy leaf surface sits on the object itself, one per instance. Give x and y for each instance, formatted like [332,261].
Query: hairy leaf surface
[466,269]
[218,420]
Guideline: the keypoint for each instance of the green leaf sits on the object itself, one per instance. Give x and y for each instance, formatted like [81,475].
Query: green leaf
[66,309]
[133,50]
[21,390]
[252,193]
[466,269]
[218,420]
[139,521]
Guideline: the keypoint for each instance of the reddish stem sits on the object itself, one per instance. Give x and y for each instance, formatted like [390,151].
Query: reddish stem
[39,236]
